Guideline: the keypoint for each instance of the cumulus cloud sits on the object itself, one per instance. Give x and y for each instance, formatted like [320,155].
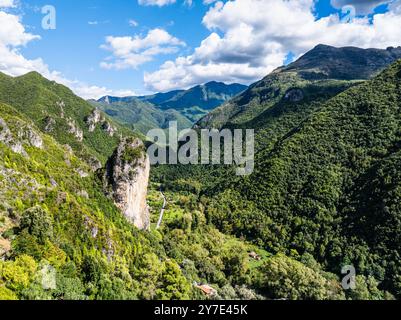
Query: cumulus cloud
[13,36]
[131,52]
[7,4]
[361,6]
[250,38]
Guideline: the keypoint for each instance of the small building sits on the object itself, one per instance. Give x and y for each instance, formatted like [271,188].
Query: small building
[207,290]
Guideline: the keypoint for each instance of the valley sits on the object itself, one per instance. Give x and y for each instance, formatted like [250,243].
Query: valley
[186,107]
[78,192]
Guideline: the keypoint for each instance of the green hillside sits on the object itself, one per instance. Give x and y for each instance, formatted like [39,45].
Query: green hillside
[62,238]
[63,220]
[330,185]
[325,193]
[57,111]
[320,65]
[326,180]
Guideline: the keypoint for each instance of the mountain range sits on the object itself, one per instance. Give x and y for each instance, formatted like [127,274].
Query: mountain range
[156,111]
[77,202]
[319,66]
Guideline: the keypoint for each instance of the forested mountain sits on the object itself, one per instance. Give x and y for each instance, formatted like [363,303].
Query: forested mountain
[156,111]
[326,180]
[63,236]
[330,186]
[207,96]
[63,230]
[57,111]
[318,66]
[325,192]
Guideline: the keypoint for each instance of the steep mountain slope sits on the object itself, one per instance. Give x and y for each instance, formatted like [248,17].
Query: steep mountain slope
[321,64]
[68,118]
[330,186]
[325,182]
[155,111]
[60,236]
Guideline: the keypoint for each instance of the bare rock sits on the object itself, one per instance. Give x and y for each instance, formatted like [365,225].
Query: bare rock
[31,137]
[107,127]
[127,176]
[94,163]
[75,130]
[8,139]
[61,105]
[49,124]
[93,119]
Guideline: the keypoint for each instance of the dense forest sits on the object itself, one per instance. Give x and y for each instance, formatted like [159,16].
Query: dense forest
[326,181]
[325,194]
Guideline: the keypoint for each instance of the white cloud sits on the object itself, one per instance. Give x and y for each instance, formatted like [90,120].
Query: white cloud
[7,4]
[92,92]
[250,38]
[159,3]
[13,36]
[131,52]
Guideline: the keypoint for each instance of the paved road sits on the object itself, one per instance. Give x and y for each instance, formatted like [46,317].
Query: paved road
[162,210]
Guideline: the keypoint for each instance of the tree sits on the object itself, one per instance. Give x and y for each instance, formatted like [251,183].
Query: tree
[174,286]
[285,278]
[38,223]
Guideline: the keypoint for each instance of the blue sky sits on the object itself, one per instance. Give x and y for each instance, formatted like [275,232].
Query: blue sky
[124,47]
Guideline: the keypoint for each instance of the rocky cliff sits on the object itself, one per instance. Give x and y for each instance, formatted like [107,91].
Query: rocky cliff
[126,177]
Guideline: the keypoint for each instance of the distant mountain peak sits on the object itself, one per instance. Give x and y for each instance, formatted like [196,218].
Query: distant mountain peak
[322,63]
[344,63]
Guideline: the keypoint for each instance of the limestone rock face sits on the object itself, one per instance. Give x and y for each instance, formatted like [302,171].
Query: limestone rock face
[127,177]
[23,135]
[93,119]
[75,130]
[96,118]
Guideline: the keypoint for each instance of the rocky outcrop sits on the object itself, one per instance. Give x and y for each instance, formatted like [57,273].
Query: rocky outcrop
[96,118]
[93,119]
[126,180]
[61,105]
[107,127]
[23,135]
[49,124]
[28,135]
[94,163]
[75,130]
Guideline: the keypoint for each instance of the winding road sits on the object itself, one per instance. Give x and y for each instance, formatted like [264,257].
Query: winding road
[159,222]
